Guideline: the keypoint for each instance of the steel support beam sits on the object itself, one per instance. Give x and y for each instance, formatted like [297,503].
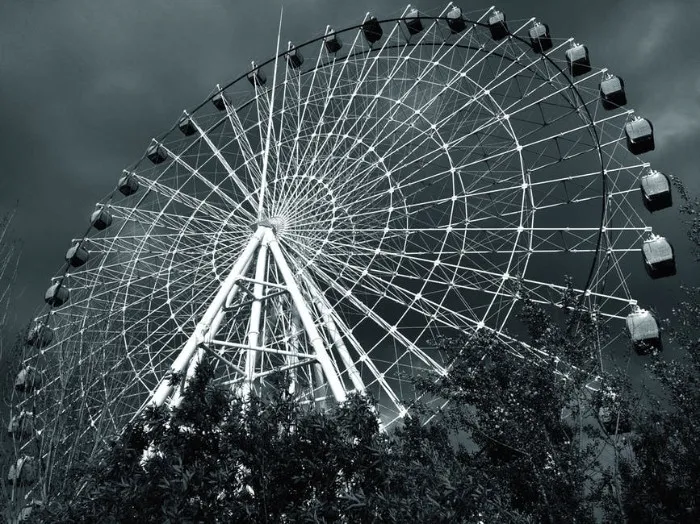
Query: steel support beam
[181,363]
[254,325]
[307,321]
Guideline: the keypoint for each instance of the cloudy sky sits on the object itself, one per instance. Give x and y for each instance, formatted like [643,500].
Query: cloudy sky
[85,84]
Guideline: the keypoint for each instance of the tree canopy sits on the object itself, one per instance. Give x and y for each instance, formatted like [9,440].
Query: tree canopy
[520,440]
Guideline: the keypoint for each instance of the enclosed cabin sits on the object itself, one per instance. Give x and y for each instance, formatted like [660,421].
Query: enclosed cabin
[40,335]
[27,510]
[22,425]
[578,60]
[612,92]
[455,22]
[498,26]
[644,331]
[659,259]
[101,218]
[294,57]
[414,24]
[372,30]
[27,380]
[570,414]
[156,153]
[77,255]
[656,191]
[56,295]
[332,41]
[540,38]
[23,472]
[186,125]
[221,100]
[256,76]
[25,513]
[613,415]
[128,183]
[640,136]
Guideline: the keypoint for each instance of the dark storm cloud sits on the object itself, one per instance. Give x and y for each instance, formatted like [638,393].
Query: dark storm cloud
[85,84]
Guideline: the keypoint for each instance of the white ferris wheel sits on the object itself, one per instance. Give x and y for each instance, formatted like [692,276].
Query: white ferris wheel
[332,210]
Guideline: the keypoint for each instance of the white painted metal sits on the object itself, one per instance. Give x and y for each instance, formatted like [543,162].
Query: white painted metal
[292,333]
[254,326]
[417,187]
[315,340]
[335,336]
[197,337]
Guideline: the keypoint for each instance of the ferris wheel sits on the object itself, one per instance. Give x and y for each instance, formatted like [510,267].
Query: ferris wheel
[331,211]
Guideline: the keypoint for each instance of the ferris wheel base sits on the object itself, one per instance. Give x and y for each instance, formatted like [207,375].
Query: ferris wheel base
[312,310]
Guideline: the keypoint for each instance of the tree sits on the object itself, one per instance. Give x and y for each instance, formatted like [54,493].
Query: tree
[272,460]
[510,408]
[662,479]
[10,353]
[500,451]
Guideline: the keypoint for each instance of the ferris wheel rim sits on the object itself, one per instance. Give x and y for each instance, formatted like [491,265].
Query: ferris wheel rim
[370,50]
[544,56]
[591,126]
[351,28]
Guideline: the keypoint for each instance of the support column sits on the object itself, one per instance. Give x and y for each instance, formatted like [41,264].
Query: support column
[255,320]
[294,346]
[182,361]
[340,346]
[307,321]
[326,311]
[320,385]
[176,398]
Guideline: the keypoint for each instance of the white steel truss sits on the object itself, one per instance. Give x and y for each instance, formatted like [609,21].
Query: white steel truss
[264,247]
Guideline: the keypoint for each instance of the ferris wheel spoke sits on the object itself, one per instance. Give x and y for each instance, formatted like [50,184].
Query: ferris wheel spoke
[172,220]
[559,136]
[246,195]
[451,319]
[240,135]
[363,357]
[413,186]
[287,123]
[332,83]
[342,117]
[186,200]
[119,285]
[225,198]
[610,270]
[143,342]
[415,271]
[455,319]
[390,331]
[495,120]
[488,278]
[573,239]
[431,101]
[430,64]
[302,107]
[160,242]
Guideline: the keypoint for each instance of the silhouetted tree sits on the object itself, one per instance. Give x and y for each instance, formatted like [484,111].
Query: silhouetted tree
[662,480]
[273,460]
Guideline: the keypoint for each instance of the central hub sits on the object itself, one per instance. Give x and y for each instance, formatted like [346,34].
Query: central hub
[278,224]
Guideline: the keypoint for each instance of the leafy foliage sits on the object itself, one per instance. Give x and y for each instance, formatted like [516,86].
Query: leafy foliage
[216,460]
[662,481]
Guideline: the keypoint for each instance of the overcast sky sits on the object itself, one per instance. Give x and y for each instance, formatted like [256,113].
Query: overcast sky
[85,84]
